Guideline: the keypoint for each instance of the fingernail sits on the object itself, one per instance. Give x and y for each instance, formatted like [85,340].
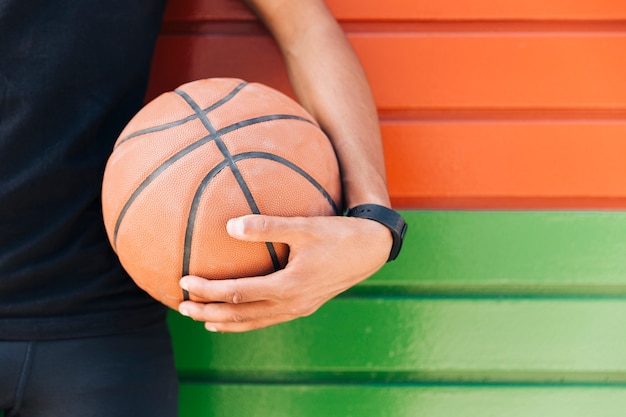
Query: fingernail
[184,285]
[211,329]
[184,312]
[235,227]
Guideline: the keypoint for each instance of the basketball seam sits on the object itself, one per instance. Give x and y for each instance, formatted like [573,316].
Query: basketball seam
[193,212]
[238,177]
[289,164]
[218,168]
[185,151]
[179,122]
[229,161]
[151,177]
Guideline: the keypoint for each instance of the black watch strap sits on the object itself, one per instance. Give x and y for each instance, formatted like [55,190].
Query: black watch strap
[387,217]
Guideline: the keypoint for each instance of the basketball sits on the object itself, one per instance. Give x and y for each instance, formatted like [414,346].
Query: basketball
[195,157]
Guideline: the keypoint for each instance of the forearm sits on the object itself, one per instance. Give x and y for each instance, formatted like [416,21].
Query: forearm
[327,254]
[331,84]
[329,81]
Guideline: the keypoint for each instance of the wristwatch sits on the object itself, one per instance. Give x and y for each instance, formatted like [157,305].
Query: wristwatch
[387,217]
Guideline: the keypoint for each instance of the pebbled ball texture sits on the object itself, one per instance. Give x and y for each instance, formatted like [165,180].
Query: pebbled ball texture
[195,157]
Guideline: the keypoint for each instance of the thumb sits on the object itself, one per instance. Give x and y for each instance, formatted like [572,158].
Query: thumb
[261,228]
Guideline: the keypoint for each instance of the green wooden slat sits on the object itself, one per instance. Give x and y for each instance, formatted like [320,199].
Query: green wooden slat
[412,339]
[399,401]
[455,252]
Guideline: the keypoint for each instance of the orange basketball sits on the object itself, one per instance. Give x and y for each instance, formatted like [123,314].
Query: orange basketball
[195,157]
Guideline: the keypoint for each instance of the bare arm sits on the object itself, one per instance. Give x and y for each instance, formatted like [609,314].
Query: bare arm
[330,82]
[327,254]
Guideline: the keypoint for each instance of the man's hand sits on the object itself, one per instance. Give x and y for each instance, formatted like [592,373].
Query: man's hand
[327,256]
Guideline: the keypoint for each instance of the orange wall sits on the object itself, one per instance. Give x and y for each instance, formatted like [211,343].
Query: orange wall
[483,103]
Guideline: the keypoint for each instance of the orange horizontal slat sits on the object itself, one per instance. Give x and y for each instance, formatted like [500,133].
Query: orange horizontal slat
[501,71]
[436,71]
[402,10]
[477,9]
[506,164]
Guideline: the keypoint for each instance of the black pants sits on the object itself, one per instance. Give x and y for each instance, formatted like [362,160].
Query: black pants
[129,375]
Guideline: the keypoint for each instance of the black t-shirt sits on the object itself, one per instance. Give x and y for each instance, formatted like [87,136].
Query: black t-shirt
[72,73]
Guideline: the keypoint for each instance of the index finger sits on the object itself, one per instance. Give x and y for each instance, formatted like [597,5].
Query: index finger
[233,291]
[262,228]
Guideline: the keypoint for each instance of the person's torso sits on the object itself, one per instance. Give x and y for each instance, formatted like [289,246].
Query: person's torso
[72,73]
